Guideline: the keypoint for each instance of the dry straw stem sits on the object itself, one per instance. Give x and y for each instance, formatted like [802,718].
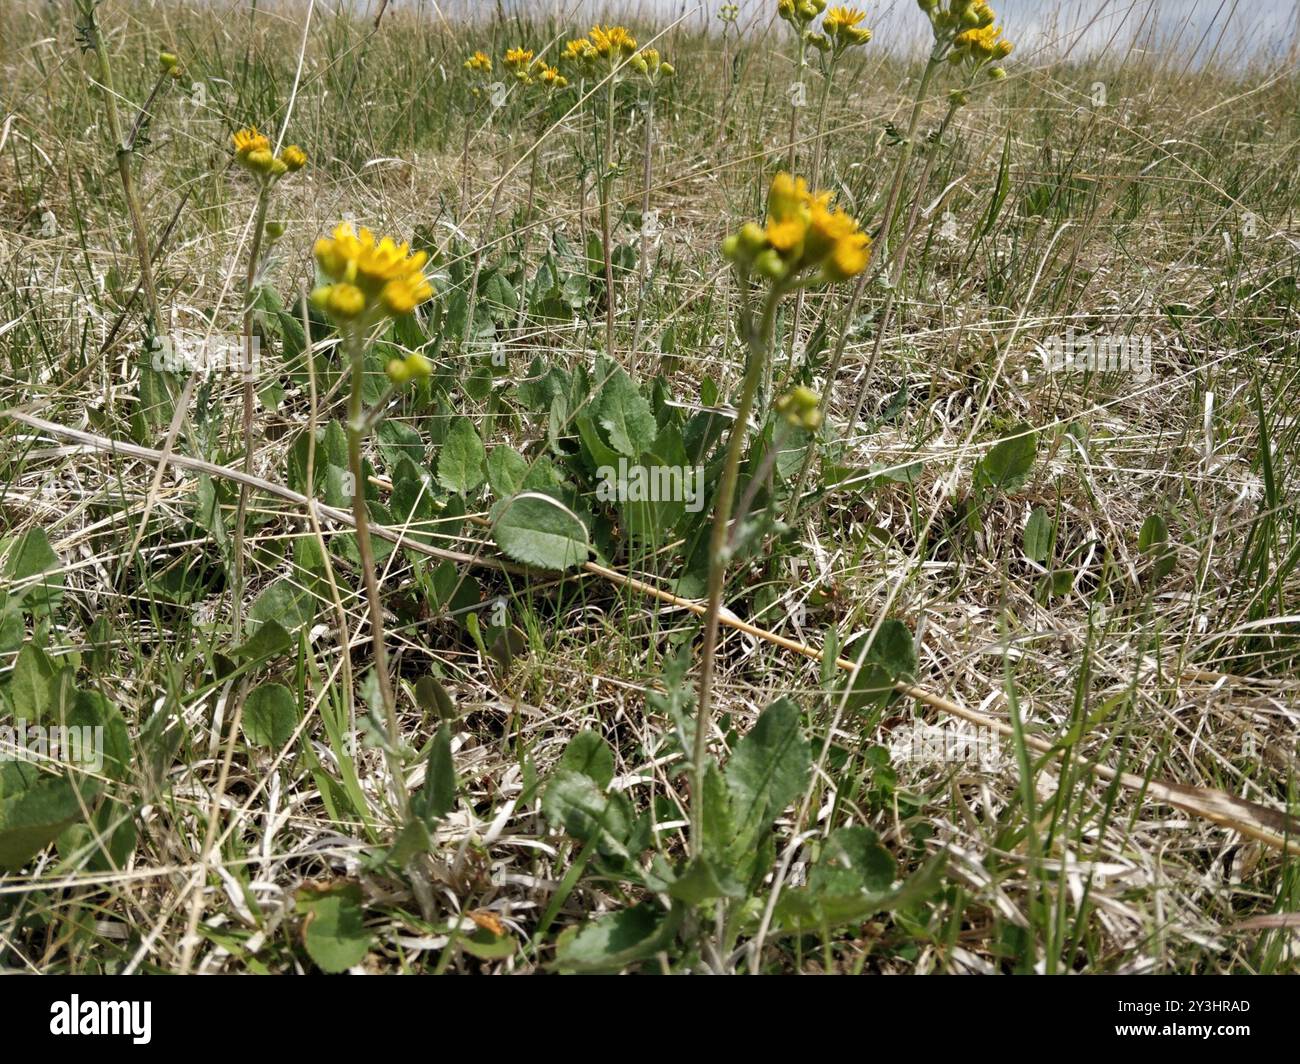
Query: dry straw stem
[1271,827]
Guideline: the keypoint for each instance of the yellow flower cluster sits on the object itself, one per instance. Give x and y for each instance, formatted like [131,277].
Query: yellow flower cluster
[803,233]
[369,278]
[613,44]
[612,41]
[253,152]
[550,76]
[479,63]
[519,61]
[843,26]
[979,46]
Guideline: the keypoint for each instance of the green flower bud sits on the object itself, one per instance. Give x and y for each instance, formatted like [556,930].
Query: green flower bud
[770,264]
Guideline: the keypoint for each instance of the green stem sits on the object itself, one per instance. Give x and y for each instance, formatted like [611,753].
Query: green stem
[606,229]
[250,398]
[645,209]
[354,350]
[759,340]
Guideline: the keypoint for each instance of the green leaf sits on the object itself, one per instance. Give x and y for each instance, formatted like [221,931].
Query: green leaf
[437,797]
[1153,533]
[803,910]
[397,440]
[1038,536]
[334,932]
[626,415]
[288,604]
[589,754]
[538,530]
[615,940]
[703,880]
[1007,466]
[30,689]
[432,697]
[575,802]
[30,555]
[852,861]
[506,470]
[35,808]
[268,640]
[270,716]
[462,458]
[767,770]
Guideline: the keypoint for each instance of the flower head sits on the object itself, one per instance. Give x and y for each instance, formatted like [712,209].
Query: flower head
[843,26]
[479,63]
[247,142]
[981,45]
[612,42]
[803,233]
[293,157]
[549,76]
[519,61]
[372,278]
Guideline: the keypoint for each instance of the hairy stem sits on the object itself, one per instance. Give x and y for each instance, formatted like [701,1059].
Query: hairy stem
[250,398]
[354,350]
[759,339]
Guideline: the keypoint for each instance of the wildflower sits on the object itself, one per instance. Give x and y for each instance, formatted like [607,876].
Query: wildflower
[580,50]
[294,158]
[612,42]
[729,12]
[842,26]
[519,61]
[479,63]
[370,278]
[801,408]
[550,76]
[247,141]
[982,44]
[804,237]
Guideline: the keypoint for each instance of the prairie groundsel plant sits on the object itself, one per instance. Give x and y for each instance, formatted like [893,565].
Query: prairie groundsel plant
[806,241]
[253,153]
[605,54]
[365,282]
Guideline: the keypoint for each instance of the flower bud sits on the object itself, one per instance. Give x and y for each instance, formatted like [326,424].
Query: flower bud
[770,264]
[752,239]
[397,371]
[418,366]
[274,230]
[731,247]
[997,73]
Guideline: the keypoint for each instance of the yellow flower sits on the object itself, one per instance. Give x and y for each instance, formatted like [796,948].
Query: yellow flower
[519,60]
[388,276]
[246,142]
[479,63]
[550,76]
[612,42]
[579,50]
[983,44]
[803,233]
[842,25]
[293,157]
[848,258]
